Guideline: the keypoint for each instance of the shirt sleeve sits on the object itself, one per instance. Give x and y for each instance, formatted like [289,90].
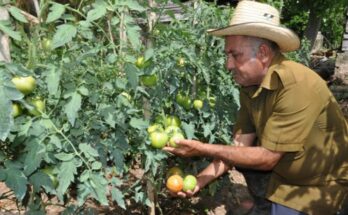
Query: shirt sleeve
[295,110]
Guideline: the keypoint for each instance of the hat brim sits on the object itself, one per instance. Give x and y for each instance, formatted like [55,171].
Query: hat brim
[286,39]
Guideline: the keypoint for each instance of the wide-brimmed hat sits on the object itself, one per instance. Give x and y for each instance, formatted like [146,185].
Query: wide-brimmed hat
[260,20]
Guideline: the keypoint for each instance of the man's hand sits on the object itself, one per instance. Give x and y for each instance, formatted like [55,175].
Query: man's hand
[186,148]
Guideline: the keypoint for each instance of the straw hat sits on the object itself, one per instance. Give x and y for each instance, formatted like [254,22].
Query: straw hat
[260,20]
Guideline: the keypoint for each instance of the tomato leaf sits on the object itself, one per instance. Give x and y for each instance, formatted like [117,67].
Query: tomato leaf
[133,33]
[99,188]
[97,12]
[189,130]
[88,150]
[40,179]
[56,11]
[139,123]
[132,75]
[64,34]
[6,119]
[67,170]
[72,107]
[36,152]
[52,80]
[16,181]
[133,5]
[5,27]
[16,13]
[118,196]
[118,160]
[64,156]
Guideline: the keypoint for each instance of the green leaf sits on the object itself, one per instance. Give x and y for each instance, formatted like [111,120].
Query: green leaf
[4,27]
[72,107]
[52,80]
[64,34]
[64,156]
[99,185]
[132,75]
[6,119]
[56,11]
[118,159]
[118,196]
[133,5]
[17,182]
[139,123]
[97,12]
[16,13]
[88,150]
[96,165]
[67,170]
[189,130]
[34,157]
[133,33]
[40,179]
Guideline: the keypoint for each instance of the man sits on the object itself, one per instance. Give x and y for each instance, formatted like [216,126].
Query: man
[290,130]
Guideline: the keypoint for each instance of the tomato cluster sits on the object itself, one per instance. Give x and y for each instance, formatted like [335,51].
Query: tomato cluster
[177,182]
[26,85]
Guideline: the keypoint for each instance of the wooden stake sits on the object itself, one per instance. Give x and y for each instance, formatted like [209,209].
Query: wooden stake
[4,39]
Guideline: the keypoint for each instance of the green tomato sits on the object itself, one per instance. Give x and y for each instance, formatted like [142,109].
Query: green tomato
[155,127]
[198,104]
[190,183]
[187,103]
[149,80]
[172,120]
[46,44]
[25,85]
[16,109]
[140,62]
[127,96]
[171,130]
[39,106]
[212,101]
[49,171]
[181,62]
[180,99]
[176,136]
[158,139]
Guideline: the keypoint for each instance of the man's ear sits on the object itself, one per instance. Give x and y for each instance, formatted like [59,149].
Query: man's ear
[264,53]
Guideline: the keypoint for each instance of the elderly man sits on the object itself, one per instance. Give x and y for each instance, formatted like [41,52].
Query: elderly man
[290,134]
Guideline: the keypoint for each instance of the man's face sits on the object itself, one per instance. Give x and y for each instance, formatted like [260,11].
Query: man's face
[242,59]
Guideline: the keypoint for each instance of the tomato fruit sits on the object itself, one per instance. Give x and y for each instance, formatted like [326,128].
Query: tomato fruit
[148,80]
[175,183]
[180,99]
[126,95]
[172,120]
[158,139]
[140,62]
[181,62]
[25,85]
[187,103]
[16,109]
[189,183]
[39,106]
[198,104]
[155,127]
[174,137]
[175,171]
[171,130]
[49,171]
[46,44]
[212,101]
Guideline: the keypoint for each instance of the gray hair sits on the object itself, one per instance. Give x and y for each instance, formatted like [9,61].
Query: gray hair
[257,41]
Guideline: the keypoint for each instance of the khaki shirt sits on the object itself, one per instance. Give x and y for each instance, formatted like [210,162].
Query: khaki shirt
[293,111]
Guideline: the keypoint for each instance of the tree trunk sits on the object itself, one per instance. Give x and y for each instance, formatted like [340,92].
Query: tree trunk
[4,39]
[313,26]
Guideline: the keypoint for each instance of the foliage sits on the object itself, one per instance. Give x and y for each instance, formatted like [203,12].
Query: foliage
[93,129]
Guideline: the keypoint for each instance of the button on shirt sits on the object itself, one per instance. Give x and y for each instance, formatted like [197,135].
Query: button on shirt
[293,111]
